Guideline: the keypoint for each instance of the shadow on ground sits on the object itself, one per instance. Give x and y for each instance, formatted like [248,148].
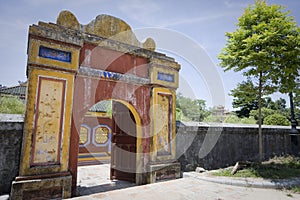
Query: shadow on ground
[114,185]
[95,179]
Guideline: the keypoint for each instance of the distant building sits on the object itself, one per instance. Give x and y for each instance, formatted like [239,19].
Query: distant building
[220,112]
[18,91]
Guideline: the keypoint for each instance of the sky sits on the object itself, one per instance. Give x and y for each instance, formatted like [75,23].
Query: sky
[195,34]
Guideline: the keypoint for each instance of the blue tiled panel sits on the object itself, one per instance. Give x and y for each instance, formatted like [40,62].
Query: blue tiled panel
[55,54]
[165,77]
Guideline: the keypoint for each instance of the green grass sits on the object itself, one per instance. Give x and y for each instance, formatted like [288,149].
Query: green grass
[276,168]
[296,189]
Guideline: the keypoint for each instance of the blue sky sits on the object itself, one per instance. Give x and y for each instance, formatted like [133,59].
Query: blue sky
[203,22]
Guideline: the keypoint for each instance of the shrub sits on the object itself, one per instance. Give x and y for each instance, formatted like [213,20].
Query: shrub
[233,119]
[249,120]
[11,105]
[276,119]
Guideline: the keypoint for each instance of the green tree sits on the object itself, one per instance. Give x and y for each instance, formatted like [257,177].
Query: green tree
[276,119]
[265,112]
[11,105]
[280,105]
[297,93]
[194,110]
[249,120]
[178,114]
[245,98]
[265,47]
[268,103]
[109,110]
[213,118]
[233,119]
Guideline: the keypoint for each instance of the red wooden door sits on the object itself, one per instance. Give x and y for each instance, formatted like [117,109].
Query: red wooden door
[123,152]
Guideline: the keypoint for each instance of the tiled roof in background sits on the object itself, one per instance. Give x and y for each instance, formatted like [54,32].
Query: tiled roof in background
[19,90]
[101,106]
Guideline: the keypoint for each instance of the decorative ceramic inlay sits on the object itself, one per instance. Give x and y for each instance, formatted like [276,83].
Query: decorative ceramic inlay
[55,54]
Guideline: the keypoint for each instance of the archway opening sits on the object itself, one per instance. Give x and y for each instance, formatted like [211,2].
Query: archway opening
[107,148]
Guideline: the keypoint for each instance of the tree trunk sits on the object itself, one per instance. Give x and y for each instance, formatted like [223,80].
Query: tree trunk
[260,146]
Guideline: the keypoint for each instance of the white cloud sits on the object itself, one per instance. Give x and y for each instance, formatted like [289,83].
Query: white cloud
[203,18]
[163,14]
[236,4]
[143,12]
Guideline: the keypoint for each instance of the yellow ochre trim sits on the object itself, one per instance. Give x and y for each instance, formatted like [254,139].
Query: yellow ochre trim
[33,56]
[96,114]
[154,73]
[94,158]
[34,74]
[154,107]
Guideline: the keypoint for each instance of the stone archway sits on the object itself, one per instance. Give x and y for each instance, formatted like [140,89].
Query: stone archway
[71,67]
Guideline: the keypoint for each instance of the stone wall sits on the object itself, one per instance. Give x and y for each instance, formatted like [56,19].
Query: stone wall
[208,146]
[217,146]
[11,131]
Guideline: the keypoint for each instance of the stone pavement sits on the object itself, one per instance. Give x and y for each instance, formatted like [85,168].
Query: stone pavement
[93,183]
[190,187]
[95,178]
[245,182]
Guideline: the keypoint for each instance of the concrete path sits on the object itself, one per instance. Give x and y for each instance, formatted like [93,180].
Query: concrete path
[245,182]
[95,178]
[93,183]
[190,188]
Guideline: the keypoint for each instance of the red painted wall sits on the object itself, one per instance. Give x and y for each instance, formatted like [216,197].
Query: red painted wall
[88,91]
[109,60]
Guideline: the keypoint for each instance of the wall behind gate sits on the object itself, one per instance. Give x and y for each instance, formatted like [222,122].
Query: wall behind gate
[11,132]
[235,143]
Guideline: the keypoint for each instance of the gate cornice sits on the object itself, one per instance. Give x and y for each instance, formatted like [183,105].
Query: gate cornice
[64,33]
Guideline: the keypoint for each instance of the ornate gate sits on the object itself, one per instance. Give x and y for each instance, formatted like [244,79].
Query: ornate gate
[70,68]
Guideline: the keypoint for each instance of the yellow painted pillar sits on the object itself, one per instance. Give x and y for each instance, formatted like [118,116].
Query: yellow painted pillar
[164,77]
[51,68]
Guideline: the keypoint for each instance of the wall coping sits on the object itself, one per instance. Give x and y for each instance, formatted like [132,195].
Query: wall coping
[20,118]
[11,118]
[228,125]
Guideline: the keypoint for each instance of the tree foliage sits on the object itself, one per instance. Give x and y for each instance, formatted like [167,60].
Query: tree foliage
[276,119]
[278,105]
[194,110]
[213,118]
[234,119]
[266,45]
[245,98]
[11,105]
[267,42]
[178,114]
[297,93]
[266,48]
[265,112]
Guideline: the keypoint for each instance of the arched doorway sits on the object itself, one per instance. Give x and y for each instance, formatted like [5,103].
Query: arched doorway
[124,144]
[96,134]
[125,111]
[107,140]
